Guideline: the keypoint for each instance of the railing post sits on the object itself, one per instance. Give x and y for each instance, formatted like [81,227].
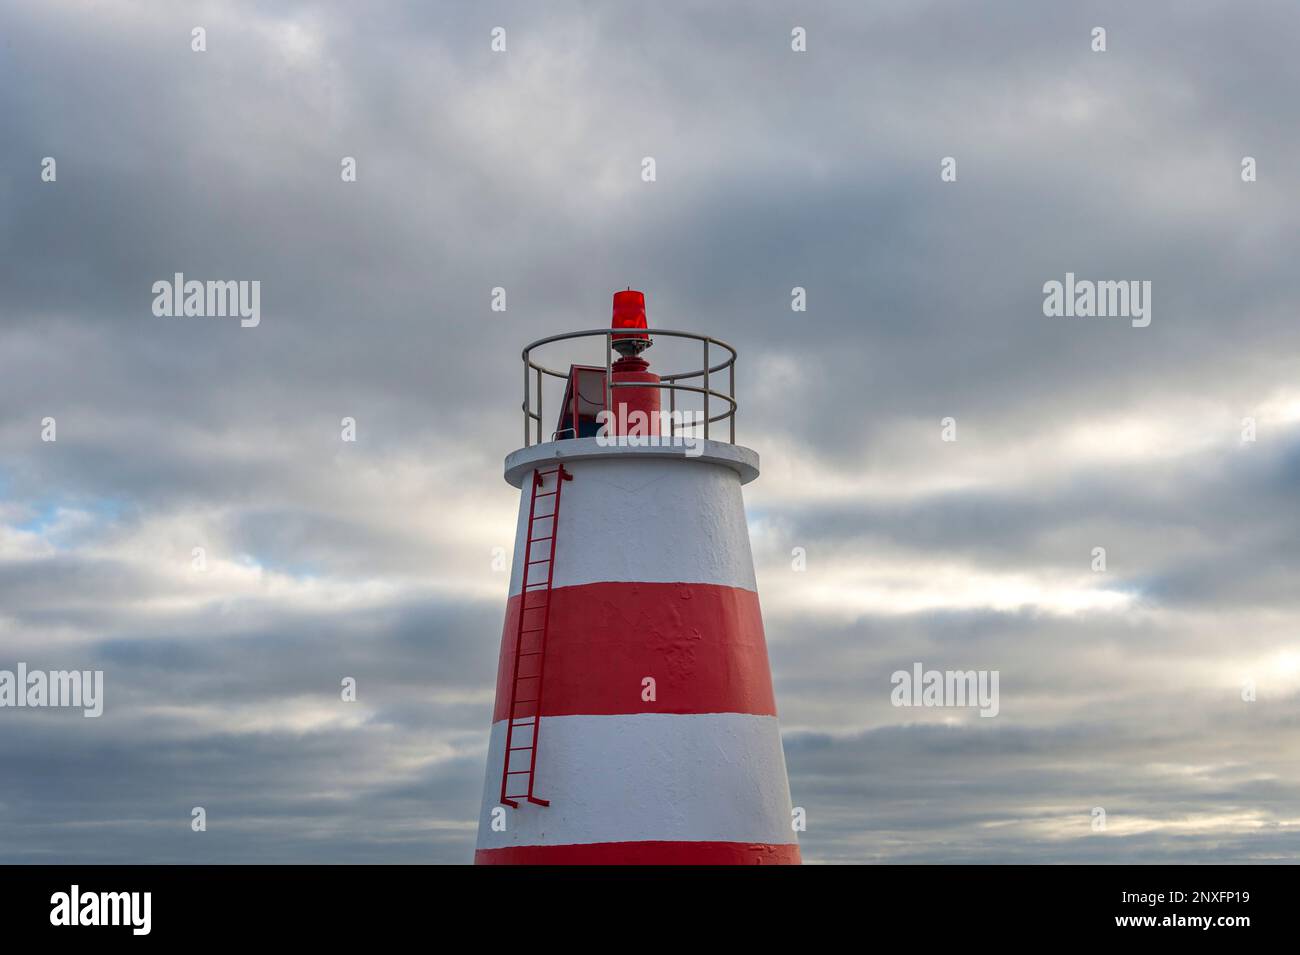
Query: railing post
[527,434]
[609,386]
[539,406]
[706,389]
[731,392]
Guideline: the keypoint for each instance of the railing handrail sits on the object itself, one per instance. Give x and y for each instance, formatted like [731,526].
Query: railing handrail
[667,383]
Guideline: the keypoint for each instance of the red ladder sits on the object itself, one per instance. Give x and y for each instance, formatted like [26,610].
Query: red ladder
[530,646]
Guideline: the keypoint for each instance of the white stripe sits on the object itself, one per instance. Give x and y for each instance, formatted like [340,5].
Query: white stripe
[651,520]
[713,777]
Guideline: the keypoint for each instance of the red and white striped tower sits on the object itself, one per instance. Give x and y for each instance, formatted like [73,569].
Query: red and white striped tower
[634,696]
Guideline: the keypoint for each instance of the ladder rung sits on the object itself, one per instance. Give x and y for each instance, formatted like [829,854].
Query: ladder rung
[538,540]
[524,720]
[517,748]
[547,494]
[533,700]
[543,560]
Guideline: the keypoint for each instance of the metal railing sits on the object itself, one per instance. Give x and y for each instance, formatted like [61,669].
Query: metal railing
[669,383]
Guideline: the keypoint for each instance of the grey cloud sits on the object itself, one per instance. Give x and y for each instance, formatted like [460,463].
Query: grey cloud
[775,170]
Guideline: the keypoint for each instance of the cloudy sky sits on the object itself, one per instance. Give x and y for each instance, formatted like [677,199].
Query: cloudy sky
[1120,689]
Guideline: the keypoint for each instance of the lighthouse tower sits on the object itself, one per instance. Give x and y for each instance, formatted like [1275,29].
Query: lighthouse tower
[634,721]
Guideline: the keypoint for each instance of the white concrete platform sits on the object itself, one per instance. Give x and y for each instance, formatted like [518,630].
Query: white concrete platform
[519,464]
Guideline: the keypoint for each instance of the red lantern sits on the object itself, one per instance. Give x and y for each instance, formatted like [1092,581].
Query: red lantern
[629,312]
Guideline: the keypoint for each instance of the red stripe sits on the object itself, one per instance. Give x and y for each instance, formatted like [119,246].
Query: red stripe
[702,643]
[643,853]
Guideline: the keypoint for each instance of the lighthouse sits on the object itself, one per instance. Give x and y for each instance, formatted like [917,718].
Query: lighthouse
[635,721]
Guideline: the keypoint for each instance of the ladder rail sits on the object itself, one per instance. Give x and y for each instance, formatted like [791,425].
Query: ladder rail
[514,675]
[560,477]
[514,722]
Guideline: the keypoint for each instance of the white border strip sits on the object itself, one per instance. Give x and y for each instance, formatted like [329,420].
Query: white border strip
[716,777]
